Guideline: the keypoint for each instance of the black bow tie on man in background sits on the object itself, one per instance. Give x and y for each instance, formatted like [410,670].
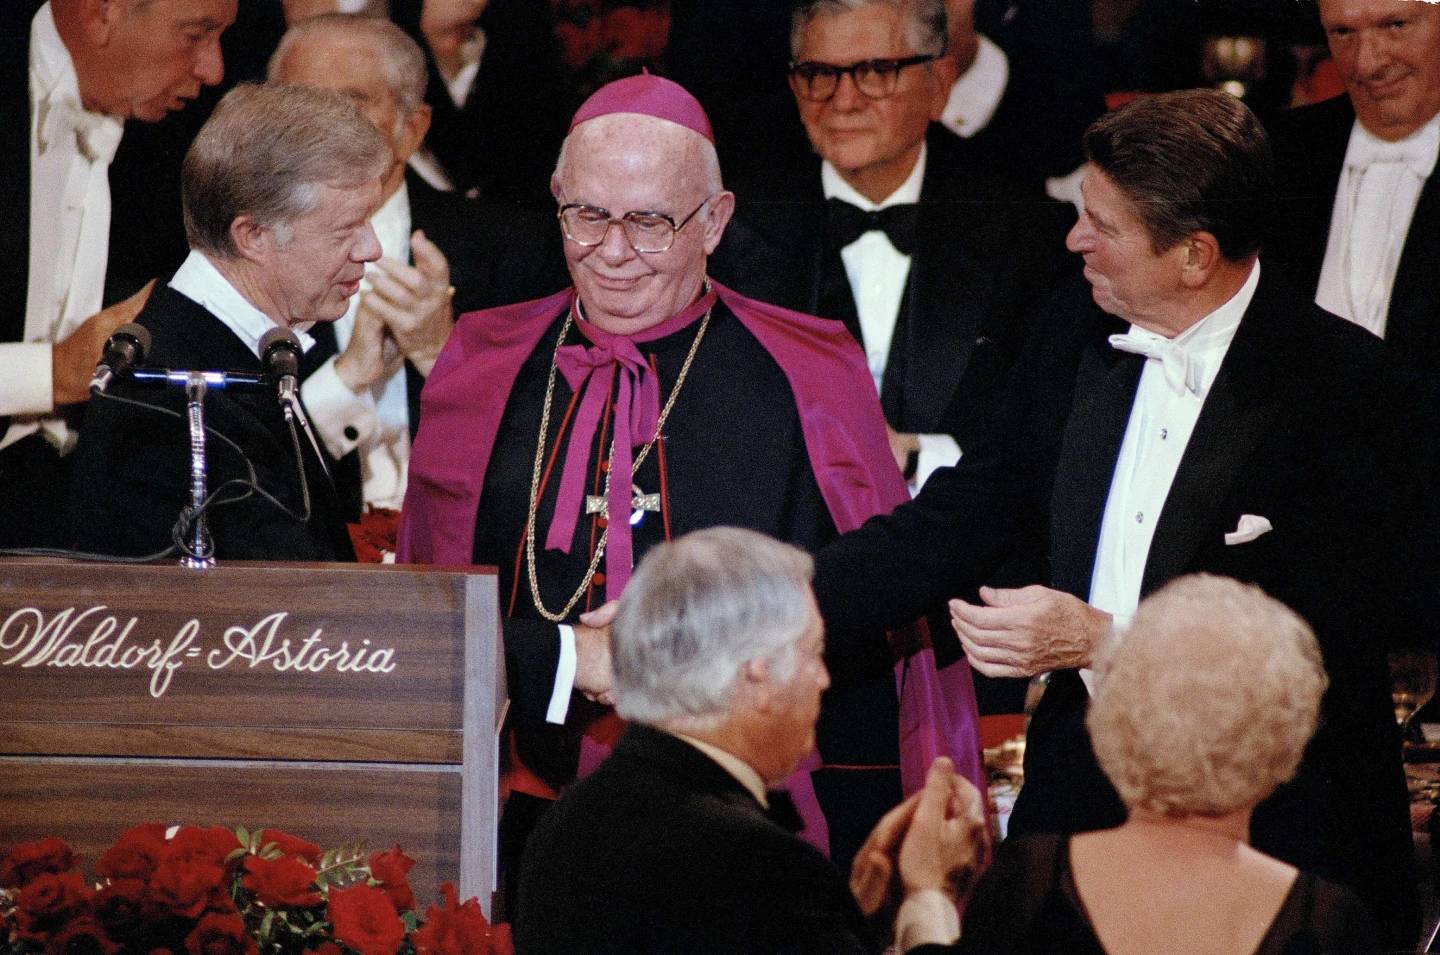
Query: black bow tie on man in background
[844,223]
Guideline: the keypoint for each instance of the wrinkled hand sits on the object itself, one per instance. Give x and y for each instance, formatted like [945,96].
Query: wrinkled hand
[1028,631]
[901,446]
[873,879]
[366,358]
[73,361]
[947,844]
[414,301]
[593,674]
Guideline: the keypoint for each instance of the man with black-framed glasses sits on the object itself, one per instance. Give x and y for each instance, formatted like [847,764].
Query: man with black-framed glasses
[899,230]
[562,438]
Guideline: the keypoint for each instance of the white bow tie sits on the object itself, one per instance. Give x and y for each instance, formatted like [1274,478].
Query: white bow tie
[96,135]
[1417,152]
[1182,371]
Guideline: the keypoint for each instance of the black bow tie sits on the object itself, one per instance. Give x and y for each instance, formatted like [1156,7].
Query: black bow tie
[781,811]
[844,223]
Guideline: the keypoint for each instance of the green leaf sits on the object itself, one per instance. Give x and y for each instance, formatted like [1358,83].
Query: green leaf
[243,835]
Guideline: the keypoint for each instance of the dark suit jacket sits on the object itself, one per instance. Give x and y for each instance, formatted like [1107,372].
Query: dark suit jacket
[987,252]
[662,850]
[1309,146]
[499,253]
[1303,426]
[132,471]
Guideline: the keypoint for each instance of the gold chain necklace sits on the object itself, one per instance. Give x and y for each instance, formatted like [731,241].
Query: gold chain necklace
[634,467]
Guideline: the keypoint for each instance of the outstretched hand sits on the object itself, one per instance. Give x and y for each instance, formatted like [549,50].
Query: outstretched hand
[1027,631]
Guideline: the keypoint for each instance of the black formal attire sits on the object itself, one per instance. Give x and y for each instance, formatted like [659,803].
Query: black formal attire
[132,465]
[1310,145]
[498,253]
[1304,426]
[987,251]
[662,850]
[1027,904]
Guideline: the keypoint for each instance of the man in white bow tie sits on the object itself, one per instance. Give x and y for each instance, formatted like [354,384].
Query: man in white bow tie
[1360,224]
[88,66]
[1234,428]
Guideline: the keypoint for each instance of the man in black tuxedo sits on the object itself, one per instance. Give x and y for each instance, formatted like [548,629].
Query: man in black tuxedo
[937,285]
[1259,438]
[72,72]
[1359,224]
[279,187]
[369,367]
[674,843]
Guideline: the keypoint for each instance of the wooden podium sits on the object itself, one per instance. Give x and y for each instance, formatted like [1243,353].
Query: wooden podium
[339,702]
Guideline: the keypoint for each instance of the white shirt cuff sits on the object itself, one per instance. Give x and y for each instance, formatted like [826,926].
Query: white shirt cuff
[26,386]
[564,677]
[936,451]
[343,418]
[927,917]
[977,93]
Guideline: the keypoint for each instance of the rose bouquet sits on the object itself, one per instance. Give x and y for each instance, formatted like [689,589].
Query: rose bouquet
[213,891]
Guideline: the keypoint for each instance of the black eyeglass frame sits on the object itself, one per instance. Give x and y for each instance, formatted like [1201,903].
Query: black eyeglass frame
[623,220]
[881,66]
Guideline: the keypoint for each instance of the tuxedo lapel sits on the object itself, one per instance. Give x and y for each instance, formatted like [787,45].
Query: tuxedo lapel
[1104,394]
[1413,326]
[15,183]
[1238,413]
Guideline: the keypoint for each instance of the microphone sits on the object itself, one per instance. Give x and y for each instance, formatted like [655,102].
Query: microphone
[124,350]
[280,357]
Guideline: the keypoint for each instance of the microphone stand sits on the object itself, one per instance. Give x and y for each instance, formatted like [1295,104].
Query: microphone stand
[202,551]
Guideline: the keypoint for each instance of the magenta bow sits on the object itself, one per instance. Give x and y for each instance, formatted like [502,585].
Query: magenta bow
[637,413]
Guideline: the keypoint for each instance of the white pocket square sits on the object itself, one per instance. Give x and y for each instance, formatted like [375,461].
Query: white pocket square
[1250,527]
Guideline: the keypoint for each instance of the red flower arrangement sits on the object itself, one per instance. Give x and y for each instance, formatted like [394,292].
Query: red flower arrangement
[211,891]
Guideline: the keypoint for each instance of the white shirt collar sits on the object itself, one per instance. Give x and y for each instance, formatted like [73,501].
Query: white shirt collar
[835,187]
[391,223]
[1423,145]
[55,105]
[52,71]
[200,281]
[977,93]
[743,772]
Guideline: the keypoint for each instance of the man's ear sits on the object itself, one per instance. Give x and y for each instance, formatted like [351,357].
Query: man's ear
[1201,257]
[412,132]
[722,207]
[253,242]
[98,18]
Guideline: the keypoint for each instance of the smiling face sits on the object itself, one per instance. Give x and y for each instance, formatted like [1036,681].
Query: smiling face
[1388,54]
[872,143]
[627,163]
[1128,279]
[152,58]
[311,276]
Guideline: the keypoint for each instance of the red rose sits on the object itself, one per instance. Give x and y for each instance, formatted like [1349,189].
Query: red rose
[183,888]
[459,929]
[211,845]
[118,905]
[364,918]
[135,854]
[281,883]
[30,859]
[220,935]
[53,898]
[81,936]
[291,845]
[391,869]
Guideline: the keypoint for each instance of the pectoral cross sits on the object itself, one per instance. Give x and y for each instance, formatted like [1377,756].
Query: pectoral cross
[640,502]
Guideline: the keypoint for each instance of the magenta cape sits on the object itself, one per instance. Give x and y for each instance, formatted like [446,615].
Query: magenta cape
[844,429]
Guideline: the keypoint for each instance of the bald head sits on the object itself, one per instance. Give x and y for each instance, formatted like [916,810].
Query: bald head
[637,136]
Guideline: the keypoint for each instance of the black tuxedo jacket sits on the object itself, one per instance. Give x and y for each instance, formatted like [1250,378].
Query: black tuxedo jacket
[662,850]
[987,251]
[1304,426]
[15,160]
[499,253]
[1309,146]
[132,471]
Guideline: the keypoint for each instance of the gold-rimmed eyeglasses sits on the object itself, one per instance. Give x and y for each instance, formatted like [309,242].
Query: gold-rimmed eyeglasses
[645,231]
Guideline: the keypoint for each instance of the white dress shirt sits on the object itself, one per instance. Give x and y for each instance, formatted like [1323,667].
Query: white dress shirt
[70,154]
[877,273]
[978,91]
[1379,188]
[377,419]
[1161,422]
[198,280]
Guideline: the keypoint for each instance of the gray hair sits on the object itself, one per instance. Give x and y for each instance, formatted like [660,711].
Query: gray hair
[400,56]
[695,612]
[265,152]
[708,159]
[926,27]
[1208,702]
